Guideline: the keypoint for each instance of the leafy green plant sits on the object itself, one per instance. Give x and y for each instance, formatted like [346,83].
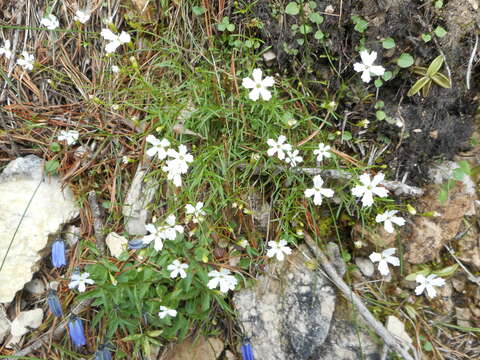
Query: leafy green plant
[405,60]
[457,175]
[292,8]
[225,24]
[360,24]
[428,76]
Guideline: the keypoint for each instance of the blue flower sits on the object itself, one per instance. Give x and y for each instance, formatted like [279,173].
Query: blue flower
[54,303]
[136,244]
[77,334]
[103,352]
[247,352]
[58,254]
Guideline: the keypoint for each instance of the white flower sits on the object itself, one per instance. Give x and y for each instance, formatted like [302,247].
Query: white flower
[278,249]
[78,280]
[178,164]
[428,283]
[258,86]
[5,49]
[177,269]
[323,151]
[115,69]
[164,311]
[70,136]
[170,230]
[384,259]
[50,22]
[27,61]
[159,147]
[115,40]
[82,16]
[388,218]
[153,236]
[223,279]
[366,67]
[278,147]
[125,159]
[369,188]
[318,190]
[293,158]
[196,211]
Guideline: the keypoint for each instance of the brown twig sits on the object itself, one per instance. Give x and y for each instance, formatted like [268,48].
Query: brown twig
[381,331]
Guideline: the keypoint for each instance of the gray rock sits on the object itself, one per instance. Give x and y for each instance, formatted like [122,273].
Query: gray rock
[138,198]
[35,287]
[366,266]
[287,313]
[4,323]
[52,206]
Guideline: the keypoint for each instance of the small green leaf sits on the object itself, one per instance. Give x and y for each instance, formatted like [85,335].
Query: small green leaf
[55,147]
[312,5]
[360,24]
[387,75]
[198,10]
[447,271]
[427,346]
[300,41]
[51,166]
[440,31]
[426,37]
[439,4]
[292,8]
[347,135]
[413,276]
[378,82]
[316,18]
[442,80]
[388,43]
[405,60]
[305,29]
[418,86]
[379,104]
[381,115]
[435,65]
[319,35]
[230,27]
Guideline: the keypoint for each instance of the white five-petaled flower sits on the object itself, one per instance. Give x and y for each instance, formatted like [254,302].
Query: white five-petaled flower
[115,69]
[164,312]
[78,280]
[258,85]
[115,40]
[153,235]
[323,151]
[222,279]
[70,136]
[177,164]
[366,67]
[293,159]
[5,49]
[369,187]
[159,147]
[384,258]
[388,218]
[170,229]
[318,191]
[176,268]
[197,212]
[82,16]
[278,249]
[26,61]
[50,22]
[278,147]
[428,283]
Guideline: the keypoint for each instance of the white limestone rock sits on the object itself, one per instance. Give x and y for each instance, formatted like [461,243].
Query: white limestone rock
[49,210]
[25,321]
[116,244]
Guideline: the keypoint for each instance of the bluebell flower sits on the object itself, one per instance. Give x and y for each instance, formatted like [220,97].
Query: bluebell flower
[103,352]
[247,352]
[77,334]
[136,244]
[54,303]
[58,254]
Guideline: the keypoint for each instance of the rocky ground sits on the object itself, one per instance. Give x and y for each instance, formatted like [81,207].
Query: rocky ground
[99,194]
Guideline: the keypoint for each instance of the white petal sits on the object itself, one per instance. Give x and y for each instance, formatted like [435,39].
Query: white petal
[248,83]
[398,220]
[437,281]
[266,94]
[377,70]
[254,94]
[368,59]
[257,75]
[383,268]
[358,190]
[393,260]
[359,67]
[124,37]
[366,76]
[380,191]
[317,199]
[367,199]
[419,289]
[375,257]
[388,226]
[377,179]
[309,192]
[268,81]
[365,179]
[111,47]
[107,34]
[152,151]
[431,292]
[327,192]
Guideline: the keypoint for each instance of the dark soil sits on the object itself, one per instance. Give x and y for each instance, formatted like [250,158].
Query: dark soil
[435,127]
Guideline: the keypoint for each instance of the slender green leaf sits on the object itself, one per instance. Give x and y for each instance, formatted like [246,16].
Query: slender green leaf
[418,86]
[435,65]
